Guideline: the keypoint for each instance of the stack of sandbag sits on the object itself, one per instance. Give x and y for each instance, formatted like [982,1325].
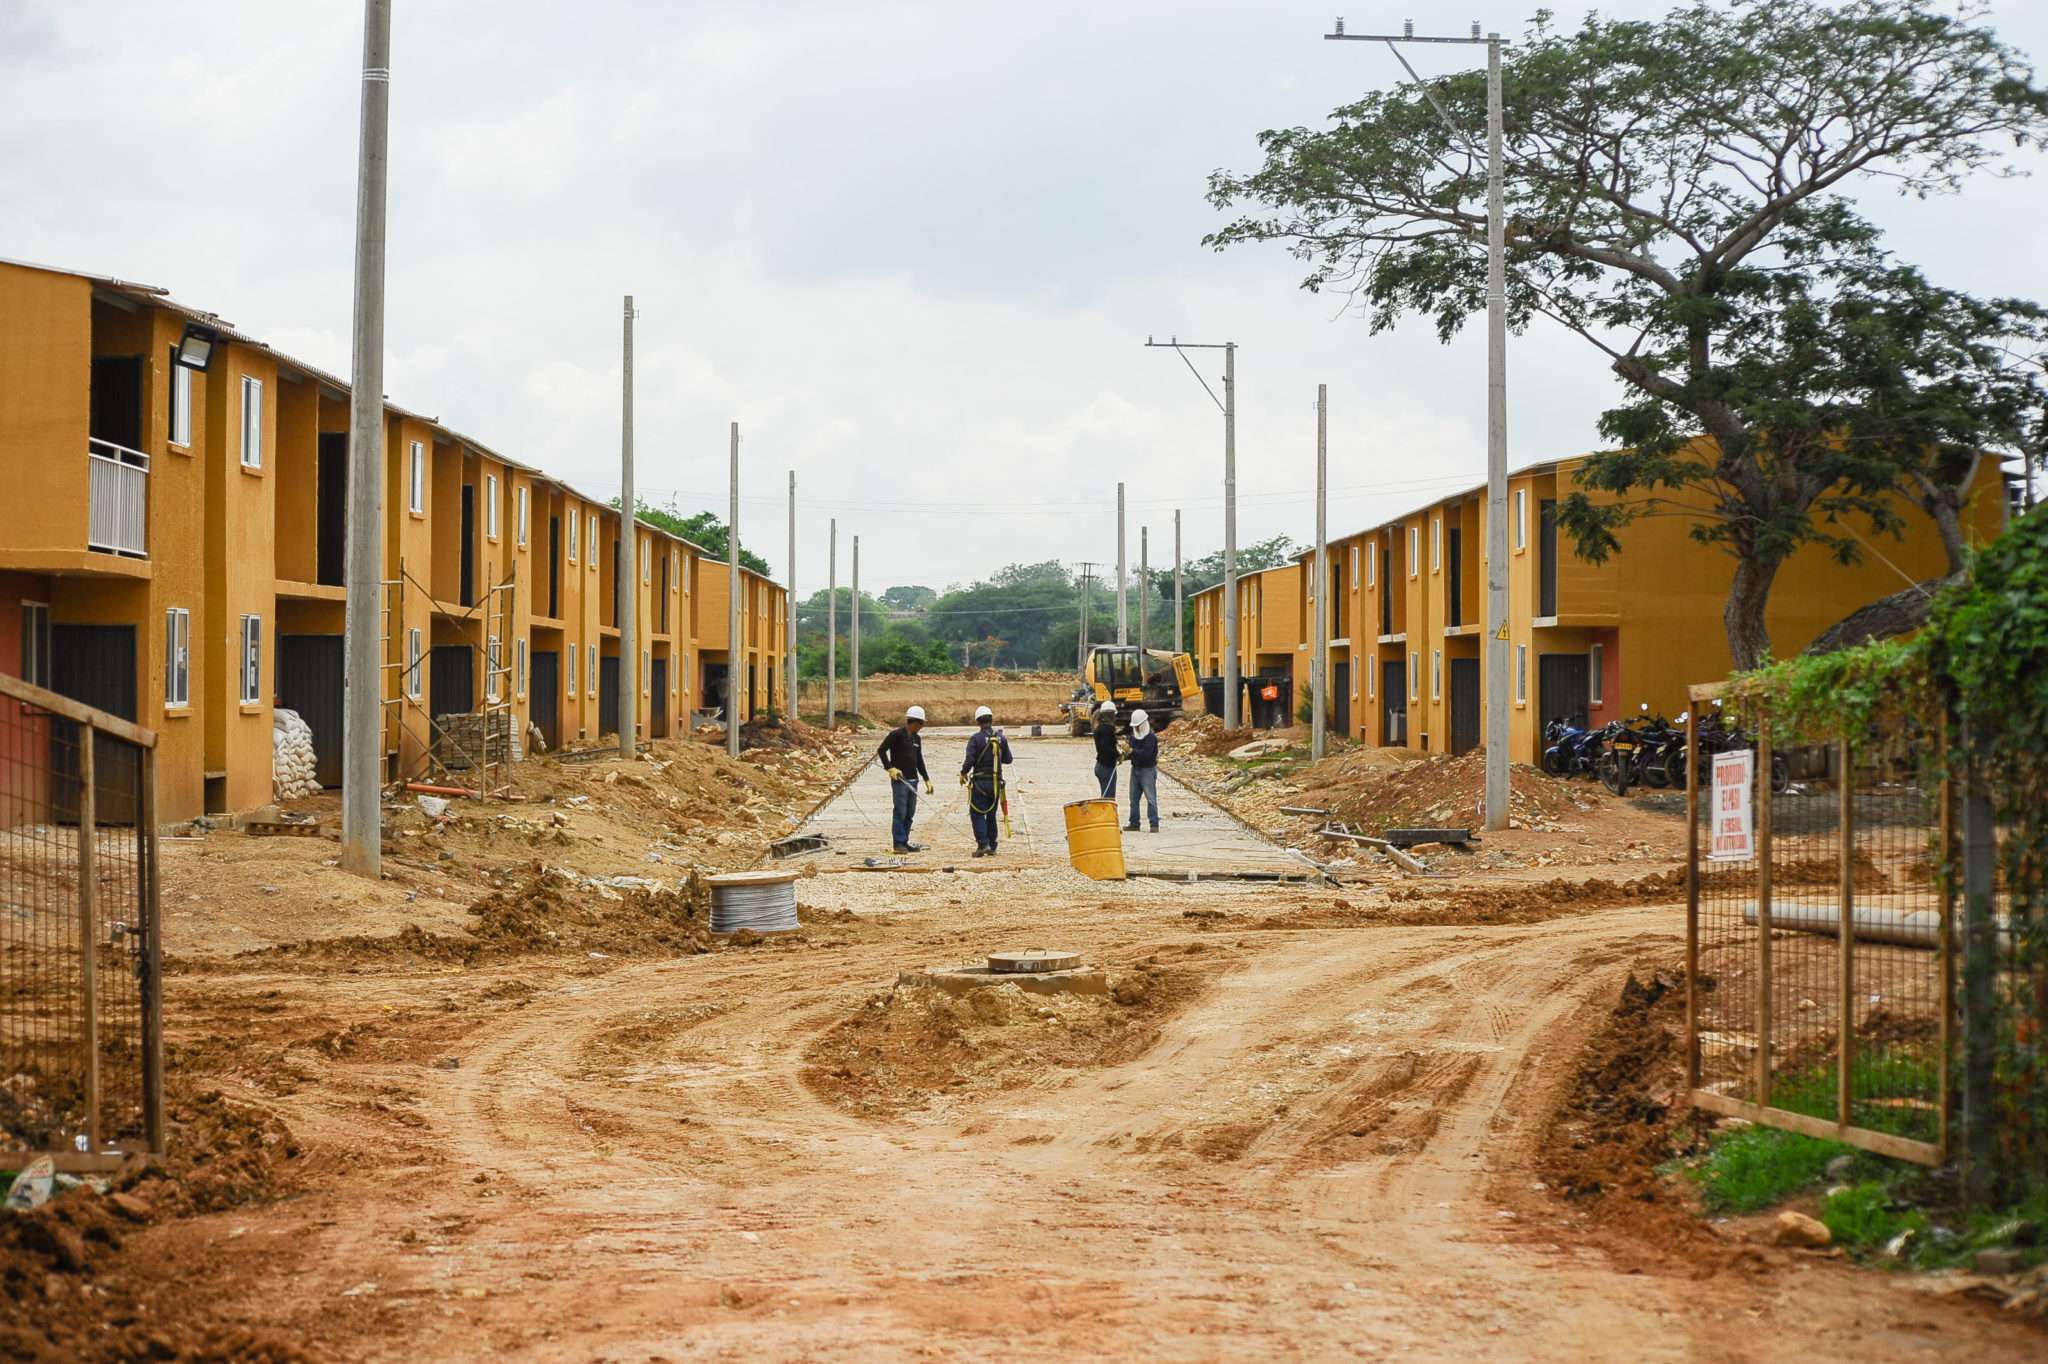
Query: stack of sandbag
[291,756]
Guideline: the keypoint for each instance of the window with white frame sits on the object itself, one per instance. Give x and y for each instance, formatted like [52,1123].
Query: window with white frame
[569,673]
[646,560]
[575,521]
[177,657]
[519,667]
[521,528]
[592,687]
[181,402]
[686,572]
[1372,563]
[492,656]
[35,643]
[645,672]
[1436,674]
[1414,674]
[490,506]
[1436,545]
[1372,681]
[1596,657]
[1414,550]
[252,660]
[415,658]
[1521,518]
[1354,565]
[674,569]
[252,423]
[591,557]
[416,463]
[1521,674]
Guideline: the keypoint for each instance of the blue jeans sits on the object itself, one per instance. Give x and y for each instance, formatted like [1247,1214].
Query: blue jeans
[902,809]
[1105,777]
[984,827]
[1145,782]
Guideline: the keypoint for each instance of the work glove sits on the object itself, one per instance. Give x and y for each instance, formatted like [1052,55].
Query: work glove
[928,787]
[895,774]
[963,779]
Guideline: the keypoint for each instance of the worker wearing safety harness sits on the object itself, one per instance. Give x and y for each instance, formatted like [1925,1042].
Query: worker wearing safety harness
[1144,769]
[1107,755]
[982,774]
[902,757]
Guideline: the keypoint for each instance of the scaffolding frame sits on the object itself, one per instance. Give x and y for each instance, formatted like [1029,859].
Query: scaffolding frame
[491,639]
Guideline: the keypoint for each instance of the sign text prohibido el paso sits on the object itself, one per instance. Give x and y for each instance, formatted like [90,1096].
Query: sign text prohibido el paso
[1734,831]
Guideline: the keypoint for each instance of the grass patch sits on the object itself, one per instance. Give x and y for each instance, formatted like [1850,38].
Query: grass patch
[1753,1168]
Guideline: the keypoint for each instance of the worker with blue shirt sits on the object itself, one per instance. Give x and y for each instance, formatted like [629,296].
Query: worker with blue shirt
[981,772]
[1107,755]
[902,757]
[1144,769]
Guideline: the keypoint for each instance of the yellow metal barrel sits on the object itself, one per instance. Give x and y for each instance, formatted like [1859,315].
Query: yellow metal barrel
[1095,842]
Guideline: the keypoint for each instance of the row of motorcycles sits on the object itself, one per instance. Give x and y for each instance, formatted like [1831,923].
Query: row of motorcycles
[1644,750]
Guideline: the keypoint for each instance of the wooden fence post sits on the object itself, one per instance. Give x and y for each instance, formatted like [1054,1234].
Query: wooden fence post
[88,967]
[1845,791]
[147,850]
[1762,778]
[1692,897]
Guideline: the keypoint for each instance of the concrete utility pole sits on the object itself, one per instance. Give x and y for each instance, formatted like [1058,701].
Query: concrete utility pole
[735,643]
[789,622]
[832,629]
[1178,647]
[1144,594]
[1497,644]
[1081,644]
[853,683]
[1228,405]
[1123,574]
[629,564]
[1319,664]
[362,728]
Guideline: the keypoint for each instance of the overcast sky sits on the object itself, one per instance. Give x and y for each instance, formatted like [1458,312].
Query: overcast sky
[913,248]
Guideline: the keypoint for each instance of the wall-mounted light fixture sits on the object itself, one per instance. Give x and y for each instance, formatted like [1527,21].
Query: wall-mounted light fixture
[195,347]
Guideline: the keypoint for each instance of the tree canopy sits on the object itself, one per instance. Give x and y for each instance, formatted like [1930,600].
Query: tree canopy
[705,528]
[1677,197]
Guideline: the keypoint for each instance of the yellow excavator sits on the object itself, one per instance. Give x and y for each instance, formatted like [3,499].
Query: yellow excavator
[1161,684]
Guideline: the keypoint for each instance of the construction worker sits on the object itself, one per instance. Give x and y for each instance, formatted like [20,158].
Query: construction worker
[902,757]
[1144,769]
[1107,755]
[982,773]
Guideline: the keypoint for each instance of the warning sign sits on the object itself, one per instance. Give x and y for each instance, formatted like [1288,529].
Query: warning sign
[1732,828]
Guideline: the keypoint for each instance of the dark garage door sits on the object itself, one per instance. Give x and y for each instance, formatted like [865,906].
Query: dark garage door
[544,699]
[451,677]
[657,716]
[309,681]
[608,695]
[1564,688]
[1393,703]
[1340,706]
[1464,704]
[95,665]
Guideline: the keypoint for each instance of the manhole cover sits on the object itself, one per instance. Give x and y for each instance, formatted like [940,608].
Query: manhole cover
[1034,959]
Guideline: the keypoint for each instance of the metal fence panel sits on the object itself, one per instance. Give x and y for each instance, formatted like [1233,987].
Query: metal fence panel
[80,956]
[1818,965]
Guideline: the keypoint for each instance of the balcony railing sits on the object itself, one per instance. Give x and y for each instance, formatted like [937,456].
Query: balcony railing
[117,520]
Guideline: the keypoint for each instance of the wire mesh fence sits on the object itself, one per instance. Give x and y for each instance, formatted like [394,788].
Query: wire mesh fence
[80,962]
[1819,950]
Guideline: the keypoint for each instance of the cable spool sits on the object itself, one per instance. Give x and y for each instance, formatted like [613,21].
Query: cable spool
[758,901]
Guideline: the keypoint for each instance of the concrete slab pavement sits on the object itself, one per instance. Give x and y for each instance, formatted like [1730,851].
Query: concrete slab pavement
[1048,772]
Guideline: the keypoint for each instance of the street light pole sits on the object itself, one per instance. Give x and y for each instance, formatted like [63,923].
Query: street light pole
[1177,646]
[629,562]
[789,614]
[1144,589]
[362,729]
[1123,574]
[832,628]
[1228,405]
[853,683]
[1497,626]
[1319,664]
[735,642]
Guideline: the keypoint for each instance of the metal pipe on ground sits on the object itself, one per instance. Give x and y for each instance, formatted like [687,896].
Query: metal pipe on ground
[1870,923]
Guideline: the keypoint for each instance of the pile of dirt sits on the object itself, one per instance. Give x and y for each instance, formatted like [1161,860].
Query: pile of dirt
[905,1047]
[777,734]
[1528,902]
[1621,1117]
[1016,698]
[63,1266]
[551,911]
[1439,791]
[1204,734]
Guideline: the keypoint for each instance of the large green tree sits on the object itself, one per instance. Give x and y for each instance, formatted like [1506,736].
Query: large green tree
[705,529]
[1678,197]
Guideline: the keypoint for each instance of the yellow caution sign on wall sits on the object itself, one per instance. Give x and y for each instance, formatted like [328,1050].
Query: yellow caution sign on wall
[1501,633]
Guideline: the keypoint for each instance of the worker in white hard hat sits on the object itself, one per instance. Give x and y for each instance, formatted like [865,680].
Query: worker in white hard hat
[1144,769]
[902,757]
[982,772]
[1107,755]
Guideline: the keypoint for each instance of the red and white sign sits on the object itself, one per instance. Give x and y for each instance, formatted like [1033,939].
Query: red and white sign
[1733,830]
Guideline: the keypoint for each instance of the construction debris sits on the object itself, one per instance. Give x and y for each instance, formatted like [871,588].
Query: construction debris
[292,761]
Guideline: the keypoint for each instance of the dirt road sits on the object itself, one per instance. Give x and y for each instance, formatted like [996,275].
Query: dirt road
[1311,1129]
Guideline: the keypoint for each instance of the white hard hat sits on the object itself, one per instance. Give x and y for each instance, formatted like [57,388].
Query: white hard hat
[984,713]
[914,713]
[1106,708]
[1138,717]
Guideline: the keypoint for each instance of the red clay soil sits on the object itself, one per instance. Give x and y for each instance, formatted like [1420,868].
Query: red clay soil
[1442,792]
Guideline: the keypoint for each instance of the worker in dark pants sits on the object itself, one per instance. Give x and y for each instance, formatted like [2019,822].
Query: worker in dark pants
[1144,769]
[982,773]
[1107,755]
[902,757]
